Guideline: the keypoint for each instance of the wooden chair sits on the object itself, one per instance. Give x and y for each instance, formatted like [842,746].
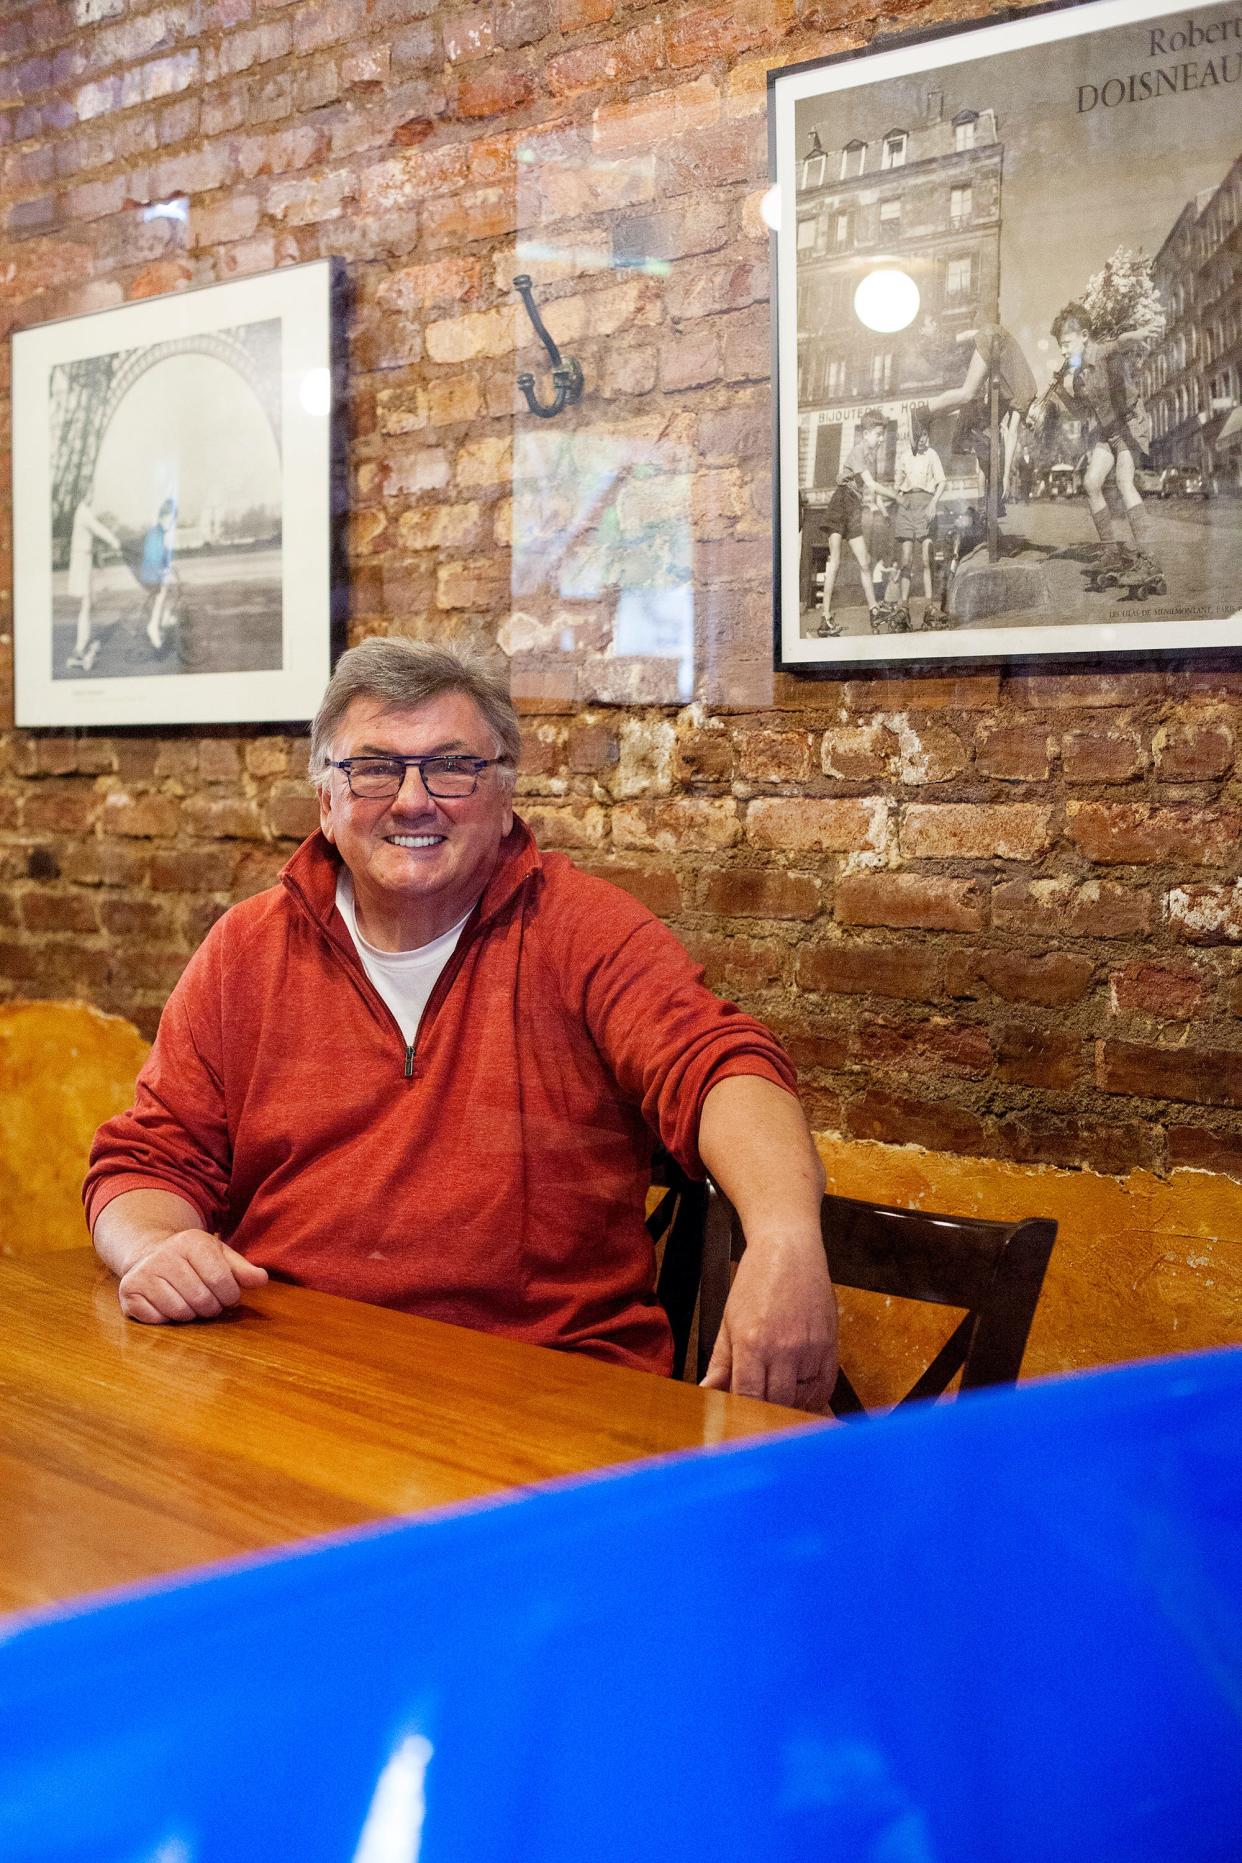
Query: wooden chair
[992,1270]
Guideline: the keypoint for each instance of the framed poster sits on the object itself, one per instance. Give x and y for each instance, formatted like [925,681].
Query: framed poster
[171,507]
[1008,302]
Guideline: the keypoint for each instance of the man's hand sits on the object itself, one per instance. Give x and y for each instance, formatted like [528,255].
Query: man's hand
[778,1337]
[168,1266]
[188,1276]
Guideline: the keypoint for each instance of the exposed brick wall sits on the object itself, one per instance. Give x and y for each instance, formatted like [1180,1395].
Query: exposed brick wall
[991,913]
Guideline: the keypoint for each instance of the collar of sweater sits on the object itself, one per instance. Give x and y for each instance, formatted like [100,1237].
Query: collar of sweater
[311,875]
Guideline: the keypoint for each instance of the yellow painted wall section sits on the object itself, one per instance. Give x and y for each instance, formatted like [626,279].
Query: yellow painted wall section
[1143,1266]
[64,1069]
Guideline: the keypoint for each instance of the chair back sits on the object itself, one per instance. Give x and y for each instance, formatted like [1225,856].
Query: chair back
[994,1271]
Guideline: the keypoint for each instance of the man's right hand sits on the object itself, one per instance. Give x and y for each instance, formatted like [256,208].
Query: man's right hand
[190,1275]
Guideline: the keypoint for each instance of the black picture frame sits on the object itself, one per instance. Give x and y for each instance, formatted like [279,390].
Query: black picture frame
[1007,171]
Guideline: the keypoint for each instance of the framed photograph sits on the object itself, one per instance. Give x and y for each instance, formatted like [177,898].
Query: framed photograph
[1008,304]
[171,508]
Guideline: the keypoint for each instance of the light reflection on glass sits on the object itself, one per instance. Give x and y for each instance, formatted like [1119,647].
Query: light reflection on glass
[393,1832]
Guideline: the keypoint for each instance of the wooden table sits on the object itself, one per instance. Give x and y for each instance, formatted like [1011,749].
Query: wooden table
[127,1451]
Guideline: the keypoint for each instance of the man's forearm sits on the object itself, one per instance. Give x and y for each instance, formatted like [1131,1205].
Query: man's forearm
[754,1140]
[136,1222]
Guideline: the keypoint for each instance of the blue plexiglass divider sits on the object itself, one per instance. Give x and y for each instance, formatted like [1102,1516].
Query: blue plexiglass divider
[1009,1628]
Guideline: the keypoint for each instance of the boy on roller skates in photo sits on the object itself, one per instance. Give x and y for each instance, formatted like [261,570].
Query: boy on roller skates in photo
[1094,384]
[858,493]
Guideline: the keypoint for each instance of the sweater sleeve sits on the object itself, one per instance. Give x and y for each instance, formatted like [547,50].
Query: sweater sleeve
[666,1037]
[175,1136]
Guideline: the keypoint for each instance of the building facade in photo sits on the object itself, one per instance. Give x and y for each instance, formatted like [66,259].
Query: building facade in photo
[1192,380]
[927,197]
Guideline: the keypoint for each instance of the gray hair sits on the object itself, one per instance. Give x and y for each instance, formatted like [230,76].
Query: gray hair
[404,673]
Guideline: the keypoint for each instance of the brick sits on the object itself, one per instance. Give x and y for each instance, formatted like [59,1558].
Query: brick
[966,692]
[762,893]
[858,753]
[1101,753]
[739,964]
[219,760]
[701,35]
[1114,1149]
[1166,991]
[478,584]
[1001,831]
[774,756]
[703,755]
[523,22]
[634,54]
[1092,909]
[1034,1057]
[439,527]
[293,816]
[909,902]
[473,335]
[643,122]
[629,371]
[105,863]
[269,756]
[1204,1076]
[677,826]
[1194,750]
[413,289]
[367,68]
[929,753]
[492,90]
[229,818]
[814,1042]
[923,1047]
[1201,1149]
[858,969]
[1085,691]
[476,213]
[576,824]
[1136,833]
[897,1119]
[134,918]
[1053,978]
[67,809]
[1015,754]
[574,15]
[45,911]
[451,399]
[328,22]
[657,888]
[832,826]
[485,461]
[401,410]
[1206,914]
[193,870]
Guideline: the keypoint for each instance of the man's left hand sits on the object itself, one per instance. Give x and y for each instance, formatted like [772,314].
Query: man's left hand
[778,1337]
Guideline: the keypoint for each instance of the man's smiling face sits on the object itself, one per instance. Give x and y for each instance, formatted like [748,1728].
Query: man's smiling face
[418,863]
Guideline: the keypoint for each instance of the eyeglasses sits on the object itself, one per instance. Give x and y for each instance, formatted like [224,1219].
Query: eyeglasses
[377,779]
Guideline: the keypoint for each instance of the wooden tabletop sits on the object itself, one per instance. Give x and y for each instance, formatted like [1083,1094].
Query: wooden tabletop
[127,1451]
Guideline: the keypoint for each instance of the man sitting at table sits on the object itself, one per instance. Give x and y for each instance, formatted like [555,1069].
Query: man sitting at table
[424,1070]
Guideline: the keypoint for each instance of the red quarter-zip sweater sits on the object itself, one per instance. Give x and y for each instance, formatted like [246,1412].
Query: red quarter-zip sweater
[494,1175]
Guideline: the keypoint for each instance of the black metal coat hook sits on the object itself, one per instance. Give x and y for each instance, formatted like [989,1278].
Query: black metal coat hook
[566,370]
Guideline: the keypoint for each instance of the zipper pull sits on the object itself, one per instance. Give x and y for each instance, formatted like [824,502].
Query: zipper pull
[409,1063]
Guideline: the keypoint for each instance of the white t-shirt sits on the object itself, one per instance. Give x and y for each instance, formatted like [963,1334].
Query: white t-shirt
[920,472]
[405,979]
